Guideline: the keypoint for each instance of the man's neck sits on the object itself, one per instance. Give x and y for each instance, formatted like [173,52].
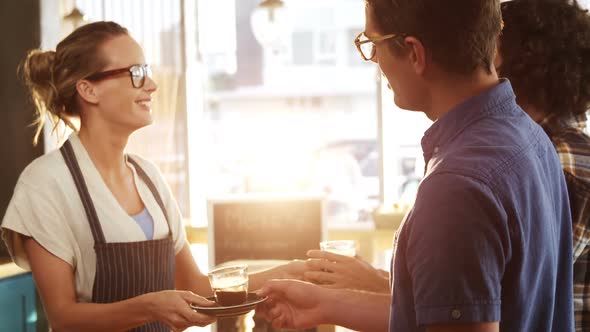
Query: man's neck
[451,91]
[533,112]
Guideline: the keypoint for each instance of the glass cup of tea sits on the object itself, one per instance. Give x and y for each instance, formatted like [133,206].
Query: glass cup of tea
[340,247]
[230,284]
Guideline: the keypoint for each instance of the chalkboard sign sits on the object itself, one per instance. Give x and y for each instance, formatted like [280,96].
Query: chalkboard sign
[245,227]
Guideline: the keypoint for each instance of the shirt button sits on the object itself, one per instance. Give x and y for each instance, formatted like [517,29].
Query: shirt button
[436,149]
[456,314]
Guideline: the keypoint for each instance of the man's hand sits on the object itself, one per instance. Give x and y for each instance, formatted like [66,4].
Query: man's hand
[338,271]
[292,304]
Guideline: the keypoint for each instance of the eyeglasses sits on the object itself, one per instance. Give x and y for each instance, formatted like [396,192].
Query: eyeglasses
[366,45]
[138,73]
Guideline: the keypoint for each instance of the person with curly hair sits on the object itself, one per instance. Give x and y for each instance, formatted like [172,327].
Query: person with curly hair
[545,52]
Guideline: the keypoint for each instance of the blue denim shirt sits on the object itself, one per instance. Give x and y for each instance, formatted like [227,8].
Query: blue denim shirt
[489,237]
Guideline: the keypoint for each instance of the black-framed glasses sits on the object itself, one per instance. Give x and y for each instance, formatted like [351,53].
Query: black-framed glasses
[366,45]
[138,73]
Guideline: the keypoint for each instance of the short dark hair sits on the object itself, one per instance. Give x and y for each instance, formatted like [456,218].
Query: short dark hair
[460,35]
[545,50]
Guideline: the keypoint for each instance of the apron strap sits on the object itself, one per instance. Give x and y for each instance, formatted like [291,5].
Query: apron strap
[72,163]
[146,179]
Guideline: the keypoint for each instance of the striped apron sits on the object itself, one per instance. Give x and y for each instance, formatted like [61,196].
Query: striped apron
[128,269]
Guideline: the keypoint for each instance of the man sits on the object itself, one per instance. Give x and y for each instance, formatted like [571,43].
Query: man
[487,244]
[545,52]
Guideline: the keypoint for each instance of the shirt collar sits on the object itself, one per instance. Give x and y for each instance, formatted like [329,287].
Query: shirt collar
[493,101]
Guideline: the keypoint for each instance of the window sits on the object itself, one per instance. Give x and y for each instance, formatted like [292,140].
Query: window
[309,123]
[326,41]
[303,46]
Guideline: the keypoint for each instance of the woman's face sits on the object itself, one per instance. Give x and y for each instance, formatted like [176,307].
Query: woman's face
[120,104]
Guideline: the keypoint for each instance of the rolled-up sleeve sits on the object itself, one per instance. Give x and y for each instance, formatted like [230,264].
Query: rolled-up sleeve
[457,247]
[38,214]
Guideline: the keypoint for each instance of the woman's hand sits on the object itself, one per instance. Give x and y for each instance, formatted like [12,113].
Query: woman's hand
[173,309]
[336,271]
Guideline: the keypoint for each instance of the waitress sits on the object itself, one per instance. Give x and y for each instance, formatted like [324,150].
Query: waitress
[99,228]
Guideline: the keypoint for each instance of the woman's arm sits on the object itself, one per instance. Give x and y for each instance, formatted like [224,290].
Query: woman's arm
[56,284]
[188,276]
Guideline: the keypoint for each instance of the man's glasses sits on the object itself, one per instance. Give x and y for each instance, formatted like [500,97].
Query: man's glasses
[366,45]
[138,73]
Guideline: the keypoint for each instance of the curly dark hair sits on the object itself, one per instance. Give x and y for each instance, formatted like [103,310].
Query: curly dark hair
[545,50]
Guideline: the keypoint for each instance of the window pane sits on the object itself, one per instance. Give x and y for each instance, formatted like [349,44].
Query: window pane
[302,48]
[308,124]
[402,151]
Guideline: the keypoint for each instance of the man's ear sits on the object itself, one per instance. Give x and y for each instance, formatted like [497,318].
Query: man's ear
[417,54]
[87,91]
[498,58]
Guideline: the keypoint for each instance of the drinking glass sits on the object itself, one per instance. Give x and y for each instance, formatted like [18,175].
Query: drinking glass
[230,284]
[341,247]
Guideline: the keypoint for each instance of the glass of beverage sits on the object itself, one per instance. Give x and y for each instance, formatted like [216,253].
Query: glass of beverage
[340,247]
[230,284]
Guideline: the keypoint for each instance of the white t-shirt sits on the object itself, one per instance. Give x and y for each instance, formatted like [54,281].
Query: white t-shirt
[47,207]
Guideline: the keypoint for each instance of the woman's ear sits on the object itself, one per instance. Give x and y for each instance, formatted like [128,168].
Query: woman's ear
[87,91]
[417,54]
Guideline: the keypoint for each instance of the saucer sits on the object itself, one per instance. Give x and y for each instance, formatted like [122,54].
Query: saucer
[230,311]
